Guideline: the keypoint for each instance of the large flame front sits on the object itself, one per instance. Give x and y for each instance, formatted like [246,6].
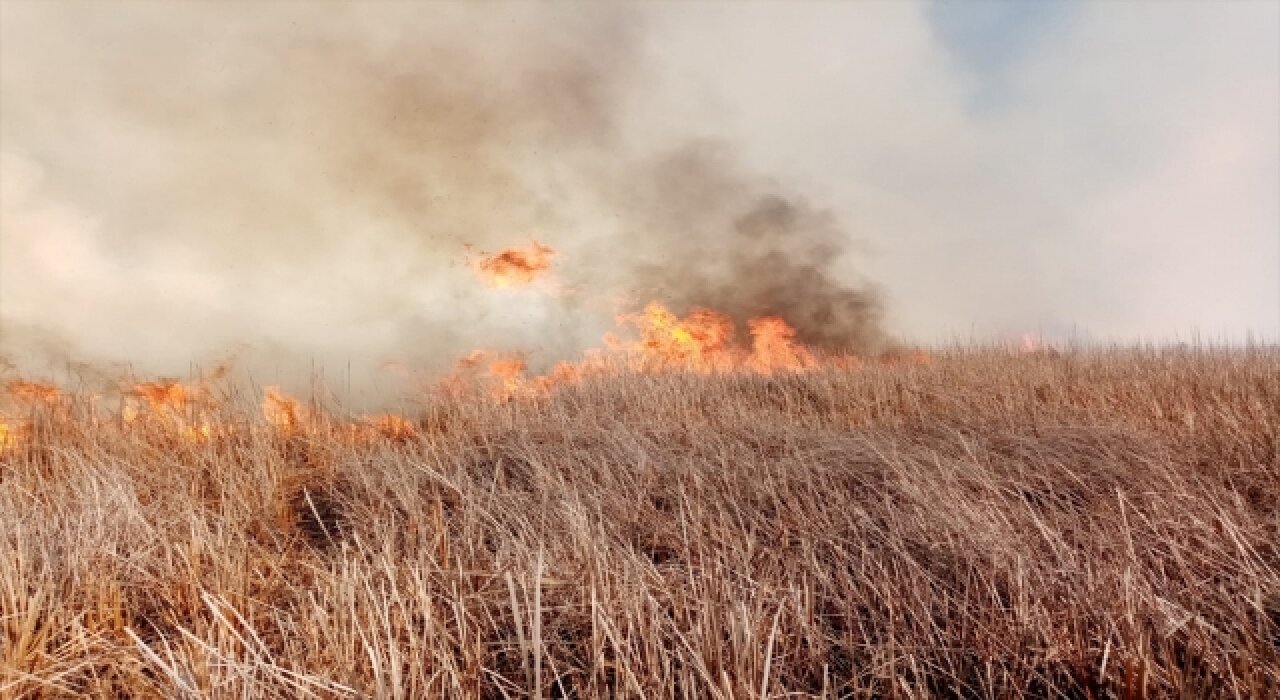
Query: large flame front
[774,347]
[702,341]
[705,341]
[654,340]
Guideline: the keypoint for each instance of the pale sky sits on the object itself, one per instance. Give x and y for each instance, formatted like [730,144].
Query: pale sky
[1104,169]
[1109,167]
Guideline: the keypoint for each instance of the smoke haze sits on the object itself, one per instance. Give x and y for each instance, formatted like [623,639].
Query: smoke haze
[298,182]
[184,180]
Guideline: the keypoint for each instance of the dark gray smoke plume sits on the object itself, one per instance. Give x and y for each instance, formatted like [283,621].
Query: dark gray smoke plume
[305,179]
[744,245]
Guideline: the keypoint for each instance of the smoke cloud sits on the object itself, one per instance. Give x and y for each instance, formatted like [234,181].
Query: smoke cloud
[1104,170]
[305,181]
[749,248]
[290,183]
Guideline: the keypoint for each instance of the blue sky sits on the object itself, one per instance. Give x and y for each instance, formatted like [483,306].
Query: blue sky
[989,34]
[989,37]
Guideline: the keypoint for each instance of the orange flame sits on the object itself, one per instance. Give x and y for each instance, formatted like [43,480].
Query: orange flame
[11,434]
[513,267]
[509,372]
[202,431]
[703,342]
[33,392]
[172,405]
[282,411]
[502,375]
[700,342]
[385,425]
[16,432]
[774,347]
[165,398]
[166,394]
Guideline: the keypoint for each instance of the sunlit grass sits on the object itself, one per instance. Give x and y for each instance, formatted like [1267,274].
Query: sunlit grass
[988,525]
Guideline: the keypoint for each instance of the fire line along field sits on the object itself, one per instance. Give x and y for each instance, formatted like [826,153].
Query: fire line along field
[704,350]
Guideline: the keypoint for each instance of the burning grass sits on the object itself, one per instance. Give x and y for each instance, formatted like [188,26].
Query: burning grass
[983,524]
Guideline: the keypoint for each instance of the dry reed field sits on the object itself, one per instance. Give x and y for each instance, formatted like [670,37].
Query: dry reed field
[1098,523]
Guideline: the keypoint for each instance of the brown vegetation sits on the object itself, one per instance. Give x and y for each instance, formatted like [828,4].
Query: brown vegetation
[1080,524]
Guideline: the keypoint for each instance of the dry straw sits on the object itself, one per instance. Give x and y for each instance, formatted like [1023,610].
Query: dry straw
[1079,524]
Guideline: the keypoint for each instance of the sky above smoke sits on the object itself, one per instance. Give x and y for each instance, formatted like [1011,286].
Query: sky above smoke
[182,181]
[1108,168]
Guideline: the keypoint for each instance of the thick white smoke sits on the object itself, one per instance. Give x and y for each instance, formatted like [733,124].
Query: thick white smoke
[300,182]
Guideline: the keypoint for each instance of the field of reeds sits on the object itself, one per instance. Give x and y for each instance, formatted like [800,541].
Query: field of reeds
[1084,524]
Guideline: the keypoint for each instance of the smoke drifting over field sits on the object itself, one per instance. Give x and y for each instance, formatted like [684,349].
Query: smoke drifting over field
[181,181]
[287,180]
[761,252]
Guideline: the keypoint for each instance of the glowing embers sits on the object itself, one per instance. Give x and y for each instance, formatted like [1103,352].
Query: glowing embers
[515,267]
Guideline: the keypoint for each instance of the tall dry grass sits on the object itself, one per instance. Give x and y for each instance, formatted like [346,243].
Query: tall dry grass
[1084,524]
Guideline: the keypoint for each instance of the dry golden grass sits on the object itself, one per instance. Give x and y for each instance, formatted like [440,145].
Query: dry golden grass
[1085,524]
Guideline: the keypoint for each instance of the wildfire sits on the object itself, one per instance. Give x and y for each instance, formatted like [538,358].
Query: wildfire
[282,411]
[702,341]
[514,267]
[288,416]
[165,398]
[502,375]
[385,425]
[509,371]
[166,394]
[33,392]
[12,433]
[655,339]
[186,411]
[173,406]
[774,347]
